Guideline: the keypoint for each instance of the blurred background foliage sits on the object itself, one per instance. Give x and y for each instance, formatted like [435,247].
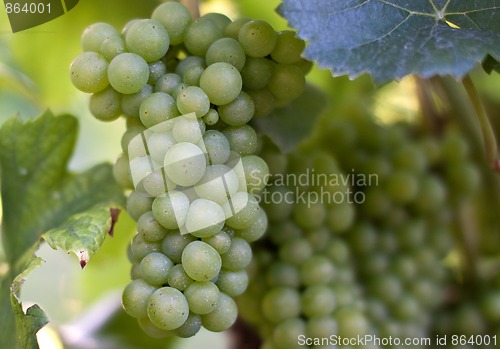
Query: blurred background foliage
[34,76]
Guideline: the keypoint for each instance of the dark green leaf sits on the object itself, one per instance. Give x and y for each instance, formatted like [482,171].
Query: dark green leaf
[393,38]
[38,193]
[84,233]
[289,125]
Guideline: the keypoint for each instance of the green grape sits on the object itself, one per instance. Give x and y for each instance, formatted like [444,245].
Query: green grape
[189,63]
[321,326]
[187,128]
[431,195]
[296,251]
[286,334]
[135,298]
[105,105]
[189,328]
[128,73]
[141,248]
[283,274]
[222,83]
[112,47]
[242,139]
[149,228]
[386,287]
[175,18]
[257,38]
[151,330]
[309,215]
[226,50]
[95,34]
[288,48]
[305,66]
[410,157]
[174,243]
[238,256]
[147,38]
[223,316]
[200,34]
[232,29]
[232,283]
[402,186]
[158,144]
[257,73]
[193,100]
[219,183]
[407,308]
[217,146]
[205,218]
[318,238]
[167,308]
[178,278]
[211,117]
[221,20]
[264,101]
[202,297]
[155,183]
[89,72]
[157,108]
[281,303]
[221,241]
[121,172]
[340,217]
[241,210]
[317,300]
[131,103]
[351,323]
[170,209]
[255,231]
[317,270]
[155,267]
[287,82]
[185,164]
[192,76]
[138,204]
[238,112]
[157,69]
[167,83]
[201,261]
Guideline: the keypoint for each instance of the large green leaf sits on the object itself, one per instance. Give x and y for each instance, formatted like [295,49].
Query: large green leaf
[393,38]
[289,125]
[38,192]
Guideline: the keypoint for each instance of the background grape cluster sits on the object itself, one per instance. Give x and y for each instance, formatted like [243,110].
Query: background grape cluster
[203,184]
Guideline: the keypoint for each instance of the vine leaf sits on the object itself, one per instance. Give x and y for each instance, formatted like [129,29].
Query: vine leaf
[84,233]
[289,125]
[393,38]
[38,192]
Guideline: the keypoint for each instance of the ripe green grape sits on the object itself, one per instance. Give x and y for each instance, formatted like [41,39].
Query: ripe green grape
[155,267]
[193,100]
[201,261]
[257,38]
[128,73]
[95,34]
[223,316]
[147,38]
[178,278]
[222,83]
[200,34]
[89,72]
[157,108]
[287,82]
[202,297]
[288,48]
[238,112]
[185,164]
[205,218]
[135,298]
[175,18]
[170,209]
[105,105]
[226,50]
[232,283]
[217,146]
[167,308]
[242,139]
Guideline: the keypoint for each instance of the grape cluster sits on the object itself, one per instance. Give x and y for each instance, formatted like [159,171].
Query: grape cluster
[405,225]
[188,89]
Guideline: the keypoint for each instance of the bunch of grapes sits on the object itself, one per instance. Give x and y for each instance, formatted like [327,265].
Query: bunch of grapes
[188,89]
[405,225]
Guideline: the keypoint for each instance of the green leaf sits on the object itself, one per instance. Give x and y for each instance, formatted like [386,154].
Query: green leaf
[84,233]
[289,125]
[18,329]
[38,193]
[490,64]
[393,38]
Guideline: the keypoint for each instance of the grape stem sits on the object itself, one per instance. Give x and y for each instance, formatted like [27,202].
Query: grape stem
[490,143]
[193,6]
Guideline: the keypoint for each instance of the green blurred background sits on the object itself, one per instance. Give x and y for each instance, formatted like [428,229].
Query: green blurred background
[34,76]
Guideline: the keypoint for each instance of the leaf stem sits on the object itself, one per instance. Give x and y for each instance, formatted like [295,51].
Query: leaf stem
[490,143]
